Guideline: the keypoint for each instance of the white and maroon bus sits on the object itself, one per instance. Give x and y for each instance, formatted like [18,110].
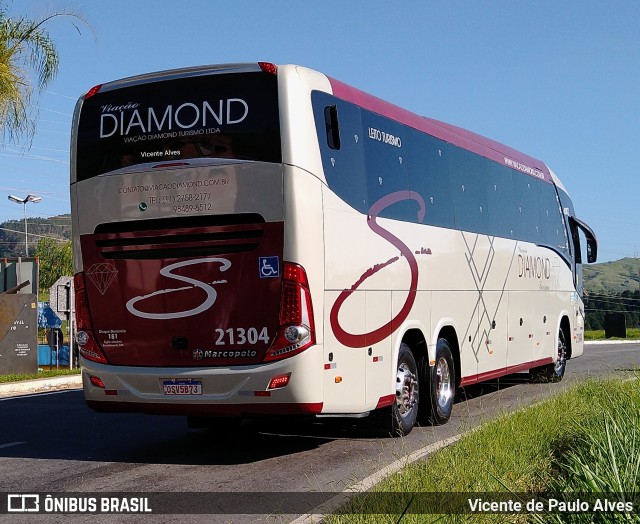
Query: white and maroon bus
[253,239]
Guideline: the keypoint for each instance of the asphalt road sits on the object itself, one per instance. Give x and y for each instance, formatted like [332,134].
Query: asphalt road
[52,443]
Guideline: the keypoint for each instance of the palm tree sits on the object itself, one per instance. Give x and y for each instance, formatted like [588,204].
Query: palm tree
[26,51]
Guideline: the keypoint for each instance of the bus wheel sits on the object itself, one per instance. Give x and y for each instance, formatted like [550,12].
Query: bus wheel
[555,371]
[439,382]
[405,409]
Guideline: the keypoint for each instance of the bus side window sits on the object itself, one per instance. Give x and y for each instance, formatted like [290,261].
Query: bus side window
[501,202]
[429,177]
[332,126]
[553,232]
[387,161]
[527,207]
[469,173]
[343,162]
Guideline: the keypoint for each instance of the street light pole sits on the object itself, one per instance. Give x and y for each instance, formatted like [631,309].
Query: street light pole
[29,198]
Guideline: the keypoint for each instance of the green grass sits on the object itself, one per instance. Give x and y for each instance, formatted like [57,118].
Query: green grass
[41,374]
[632,334]
[602,455]
[586,439]
[597,334]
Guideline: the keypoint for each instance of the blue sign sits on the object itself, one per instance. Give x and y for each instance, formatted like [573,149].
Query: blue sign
[46,316]
[269,267]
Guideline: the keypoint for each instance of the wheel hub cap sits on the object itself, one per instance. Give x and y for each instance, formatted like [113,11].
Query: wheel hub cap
[444,391]
[406,390]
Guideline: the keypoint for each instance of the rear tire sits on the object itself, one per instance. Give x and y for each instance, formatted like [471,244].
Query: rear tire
[553,372]
[438,386]
[404,411]
[398,419]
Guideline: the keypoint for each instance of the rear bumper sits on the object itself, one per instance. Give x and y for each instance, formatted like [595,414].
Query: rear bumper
[226,391]
[203,410]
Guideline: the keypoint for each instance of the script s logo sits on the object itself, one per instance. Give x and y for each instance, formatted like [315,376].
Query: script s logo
[357,340]
[211,293]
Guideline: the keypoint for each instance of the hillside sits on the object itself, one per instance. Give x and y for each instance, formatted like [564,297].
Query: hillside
[612,277]
[12,233]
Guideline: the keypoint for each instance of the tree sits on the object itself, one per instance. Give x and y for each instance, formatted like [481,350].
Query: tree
[56,260]
[25,49]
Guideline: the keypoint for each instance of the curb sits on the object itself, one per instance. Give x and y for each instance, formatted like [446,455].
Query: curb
[40,385]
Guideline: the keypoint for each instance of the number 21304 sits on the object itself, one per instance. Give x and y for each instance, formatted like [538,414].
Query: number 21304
[241,336]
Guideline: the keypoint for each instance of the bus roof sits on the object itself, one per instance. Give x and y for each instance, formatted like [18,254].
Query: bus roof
[449,133]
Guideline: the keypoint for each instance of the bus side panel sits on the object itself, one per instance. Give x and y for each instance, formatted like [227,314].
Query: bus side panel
[455,270]
[493,307]
[368,281]
[520,327]
[344,367]
[488,266]
[544,328]
[380,366]
[537,299]
[457,309]
[345,249]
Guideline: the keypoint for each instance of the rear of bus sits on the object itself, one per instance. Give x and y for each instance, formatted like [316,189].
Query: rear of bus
[185,303]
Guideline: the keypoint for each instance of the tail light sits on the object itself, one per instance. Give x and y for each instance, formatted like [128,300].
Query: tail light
[296,331]
[93,91]
[97,382]
[279,381]
[85,338]
[268,67]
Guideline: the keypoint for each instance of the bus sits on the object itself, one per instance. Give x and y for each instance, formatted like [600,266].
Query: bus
[261,240]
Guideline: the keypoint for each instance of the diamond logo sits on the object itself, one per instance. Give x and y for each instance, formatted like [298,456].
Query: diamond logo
[102,275]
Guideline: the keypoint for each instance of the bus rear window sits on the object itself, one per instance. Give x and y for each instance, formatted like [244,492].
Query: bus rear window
[211,116]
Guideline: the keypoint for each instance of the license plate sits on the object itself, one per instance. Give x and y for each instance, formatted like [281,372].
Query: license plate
[182,387]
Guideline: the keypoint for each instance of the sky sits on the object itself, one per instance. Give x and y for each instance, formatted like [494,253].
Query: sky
[558,80]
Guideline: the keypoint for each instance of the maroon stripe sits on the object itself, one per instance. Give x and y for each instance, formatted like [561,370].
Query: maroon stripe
[489,375]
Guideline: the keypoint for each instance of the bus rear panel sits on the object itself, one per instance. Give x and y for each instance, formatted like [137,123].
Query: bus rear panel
[185,304]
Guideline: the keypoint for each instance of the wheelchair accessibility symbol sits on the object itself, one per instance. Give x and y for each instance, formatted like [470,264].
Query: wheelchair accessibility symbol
[269,267]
